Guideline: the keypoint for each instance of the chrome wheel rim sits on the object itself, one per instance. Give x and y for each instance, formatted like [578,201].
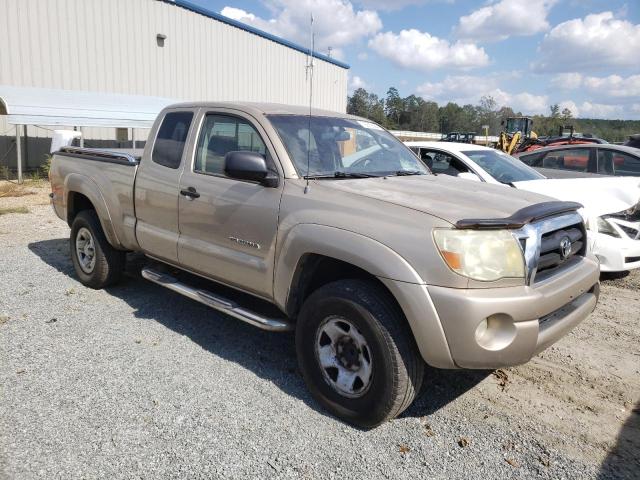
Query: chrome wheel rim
[85,250]
[344,357]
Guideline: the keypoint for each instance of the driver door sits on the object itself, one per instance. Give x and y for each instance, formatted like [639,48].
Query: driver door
[228,227]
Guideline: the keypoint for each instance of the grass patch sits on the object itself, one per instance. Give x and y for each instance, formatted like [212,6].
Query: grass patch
[5,211]
[9,189]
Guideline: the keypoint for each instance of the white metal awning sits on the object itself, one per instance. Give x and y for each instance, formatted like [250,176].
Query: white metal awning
[47,106]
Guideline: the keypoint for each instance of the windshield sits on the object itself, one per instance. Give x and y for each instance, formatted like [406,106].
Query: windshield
[343,146]
[503,167]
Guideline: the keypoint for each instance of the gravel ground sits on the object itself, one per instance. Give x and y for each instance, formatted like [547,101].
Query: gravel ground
[138,382]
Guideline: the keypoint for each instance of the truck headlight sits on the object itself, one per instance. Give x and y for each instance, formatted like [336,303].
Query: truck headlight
[606,228]
[484,255]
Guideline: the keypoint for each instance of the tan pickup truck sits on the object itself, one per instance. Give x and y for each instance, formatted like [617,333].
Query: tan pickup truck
[327,225]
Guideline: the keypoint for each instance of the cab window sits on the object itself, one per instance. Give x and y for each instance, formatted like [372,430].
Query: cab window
[439,162]
[170,139]
[612,162]
[575,159]
[533,159]
[220,135]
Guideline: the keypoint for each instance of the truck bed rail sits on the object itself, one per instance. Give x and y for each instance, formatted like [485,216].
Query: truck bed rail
[99,155]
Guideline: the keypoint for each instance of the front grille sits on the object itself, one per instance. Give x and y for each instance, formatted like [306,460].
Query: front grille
[553,253]
[631,259]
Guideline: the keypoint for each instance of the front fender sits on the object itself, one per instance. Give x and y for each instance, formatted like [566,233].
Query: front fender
[350,247]
[404,283]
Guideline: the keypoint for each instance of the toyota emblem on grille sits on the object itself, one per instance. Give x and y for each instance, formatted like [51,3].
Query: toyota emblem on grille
[565,248]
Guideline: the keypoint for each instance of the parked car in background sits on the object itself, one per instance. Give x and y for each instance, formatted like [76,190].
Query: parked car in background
[602,159]
[611,206]
[634,141]
[461,137]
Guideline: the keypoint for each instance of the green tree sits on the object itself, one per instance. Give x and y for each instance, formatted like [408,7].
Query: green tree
[358,103]
[394,106]
[566,114]
[417,114]
[451,118]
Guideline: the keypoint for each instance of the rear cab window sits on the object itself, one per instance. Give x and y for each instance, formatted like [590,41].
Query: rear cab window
[171,139]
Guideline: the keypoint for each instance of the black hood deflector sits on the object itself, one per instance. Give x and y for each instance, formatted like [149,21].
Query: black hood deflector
[520,218]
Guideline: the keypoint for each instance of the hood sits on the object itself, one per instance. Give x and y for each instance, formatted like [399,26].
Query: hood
[600,196]
[449,198]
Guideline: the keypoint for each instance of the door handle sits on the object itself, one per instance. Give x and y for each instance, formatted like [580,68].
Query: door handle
[190,193]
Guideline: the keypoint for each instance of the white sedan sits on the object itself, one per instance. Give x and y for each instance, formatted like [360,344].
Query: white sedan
[611,205]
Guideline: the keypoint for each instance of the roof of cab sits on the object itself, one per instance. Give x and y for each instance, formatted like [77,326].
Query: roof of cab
[266,109]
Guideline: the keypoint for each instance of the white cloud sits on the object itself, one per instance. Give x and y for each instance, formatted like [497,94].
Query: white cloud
[468,89]
[336,53]
[336,23]
[525,102]
[459,88]
[363,56]
[567,81]
[598,41]
[612,86]
[594,110]
[357,82]
[238,14]
[501,20]
[422,51]
[529,103]
[389,6]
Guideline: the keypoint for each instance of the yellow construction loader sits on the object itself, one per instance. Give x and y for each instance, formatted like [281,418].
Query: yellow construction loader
[516,134]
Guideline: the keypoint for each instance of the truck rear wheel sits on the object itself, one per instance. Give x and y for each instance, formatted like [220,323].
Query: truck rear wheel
[96,262]
[356,352]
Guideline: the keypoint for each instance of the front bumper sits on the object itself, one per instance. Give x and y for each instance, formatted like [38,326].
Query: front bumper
[616,254]
[498,327]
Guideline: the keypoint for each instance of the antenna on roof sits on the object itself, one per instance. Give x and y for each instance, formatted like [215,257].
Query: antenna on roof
[309,75]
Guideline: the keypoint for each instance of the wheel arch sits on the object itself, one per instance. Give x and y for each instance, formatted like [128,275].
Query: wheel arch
[81,193]
[313,255]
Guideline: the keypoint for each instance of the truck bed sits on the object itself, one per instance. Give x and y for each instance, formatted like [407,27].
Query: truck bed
[106,178]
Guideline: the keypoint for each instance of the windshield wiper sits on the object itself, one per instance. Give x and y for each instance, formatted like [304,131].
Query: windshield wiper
[404,173]
[340,174]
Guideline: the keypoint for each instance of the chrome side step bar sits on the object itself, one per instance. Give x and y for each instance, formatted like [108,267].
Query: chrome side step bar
[216,302]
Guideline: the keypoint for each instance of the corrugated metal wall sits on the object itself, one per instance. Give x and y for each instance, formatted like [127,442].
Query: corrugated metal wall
[111,46]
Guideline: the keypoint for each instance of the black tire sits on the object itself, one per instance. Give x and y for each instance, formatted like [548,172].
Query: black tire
[397,367]
[109,262]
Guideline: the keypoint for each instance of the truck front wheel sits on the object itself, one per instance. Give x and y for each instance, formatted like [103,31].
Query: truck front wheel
[96,262]
[356,353]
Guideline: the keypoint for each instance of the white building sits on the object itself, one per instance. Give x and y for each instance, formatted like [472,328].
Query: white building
[151,48]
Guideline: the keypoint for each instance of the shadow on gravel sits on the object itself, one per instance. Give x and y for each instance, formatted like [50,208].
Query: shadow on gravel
[623,461]
[629,280]
[271,356]
[441,387]
[55,253]
[614,275]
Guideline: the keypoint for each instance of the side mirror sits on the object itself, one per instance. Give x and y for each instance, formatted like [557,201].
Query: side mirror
[251,166]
